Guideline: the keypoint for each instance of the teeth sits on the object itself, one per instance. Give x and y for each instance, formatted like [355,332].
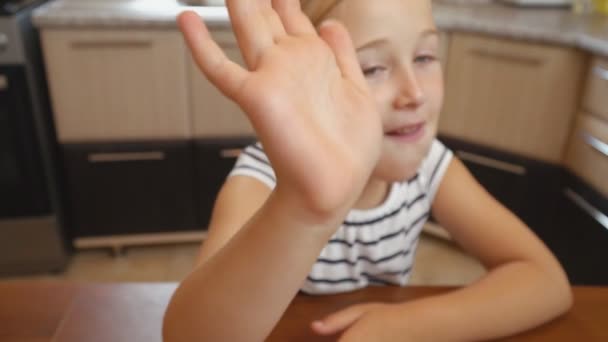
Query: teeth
[407,130]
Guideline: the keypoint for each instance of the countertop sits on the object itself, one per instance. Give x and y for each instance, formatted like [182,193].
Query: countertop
[553,26]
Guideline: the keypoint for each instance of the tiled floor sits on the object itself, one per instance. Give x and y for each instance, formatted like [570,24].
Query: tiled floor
[437,263]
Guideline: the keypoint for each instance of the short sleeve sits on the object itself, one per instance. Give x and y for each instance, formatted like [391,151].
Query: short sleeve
[254,163]
[434,166]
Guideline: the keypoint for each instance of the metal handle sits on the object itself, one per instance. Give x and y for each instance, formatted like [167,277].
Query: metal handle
[125,157]
[580,202]
[595,143]
[492,163]
[108,44]
[507,57]
[231,153]
[601,72]
[3,42]
[3,82]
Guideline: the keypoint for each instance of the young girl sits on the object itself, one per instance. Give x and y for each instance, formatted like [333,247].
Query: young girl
[345,102]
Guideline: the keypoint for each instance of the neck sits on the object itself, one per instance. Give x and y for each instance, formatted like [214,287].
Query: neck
[373,194]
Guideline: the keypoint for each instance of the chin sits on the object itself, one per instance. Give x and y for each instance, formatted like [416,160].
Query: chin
[396,171]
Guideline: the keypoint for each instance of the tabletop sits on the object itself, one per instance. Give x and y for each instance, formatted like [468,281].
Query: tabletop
[34,311]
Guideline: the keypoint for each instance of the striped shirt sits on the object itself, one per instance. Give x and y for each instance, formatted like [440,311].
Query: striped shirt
[373,246]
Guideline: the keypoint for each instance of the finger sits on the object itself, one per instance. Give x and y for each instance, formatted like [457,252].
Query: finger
[292,17]
[226,75]
[273,20]
[251,28]
[338,39]
[339,321]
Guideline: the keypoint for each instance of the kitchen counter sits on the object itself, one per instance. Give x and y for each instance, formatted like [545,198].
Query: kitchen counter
[554,26]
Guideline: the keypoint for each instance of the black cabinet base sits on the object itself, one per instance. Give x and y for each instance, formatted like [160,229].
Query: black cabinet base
[130,188]
[215,159]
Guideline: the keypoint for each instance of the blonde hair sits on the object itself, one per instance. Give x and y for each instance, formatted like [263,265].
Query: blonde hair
[316,10]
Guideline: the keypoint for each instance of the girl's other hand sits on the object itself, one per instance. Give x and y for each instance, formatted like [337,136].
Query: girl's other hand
[306,97]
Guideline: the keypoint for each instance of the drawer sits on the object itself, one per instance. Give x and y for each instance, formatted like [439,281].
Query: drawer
[587,154]
[528,188]
[215,159]
[581,233]
[596,90]
[125,189]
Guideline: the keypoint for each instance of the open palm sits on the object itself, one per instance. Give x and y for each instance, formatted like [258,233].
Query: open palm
[305,95]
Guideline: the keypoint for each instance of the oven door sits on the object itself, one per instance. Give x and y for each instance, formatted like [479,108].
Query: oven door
[23,190]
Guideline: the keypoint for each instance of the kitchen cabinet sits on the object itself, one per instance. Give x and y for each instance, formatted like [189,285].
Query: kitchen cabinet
[587,155]
[595,100]
[580,241]
[444,48]
[215,159]
[213,114]
[527,187]
[130,188]
[512,96]
[111,85]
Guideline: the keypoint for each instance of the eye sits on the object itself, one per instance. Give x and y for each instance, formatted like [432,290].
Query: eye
[424,59]
[373,71]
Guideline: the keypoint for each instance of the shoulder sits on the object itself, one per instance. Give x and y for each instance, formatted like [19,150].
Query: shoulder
[434,166]
[253,162]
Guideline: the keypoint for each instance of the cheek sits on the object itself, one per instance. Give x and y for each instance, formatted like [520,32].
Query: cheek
[432,85]
[383,98]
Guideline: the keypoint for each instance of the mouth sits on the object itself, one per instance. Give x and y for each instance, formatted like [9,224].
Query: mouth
[409,133]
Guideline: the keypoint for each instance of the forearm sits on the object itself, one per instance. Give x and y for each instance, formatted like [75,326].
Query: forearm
[514,297]
[242,291]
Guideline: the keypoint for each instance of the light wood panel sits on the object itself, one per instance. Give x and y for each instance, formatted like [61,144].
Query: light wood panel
[213,114]
[513,96]
[444,49]
[111,85]
[588,152]
[596,91]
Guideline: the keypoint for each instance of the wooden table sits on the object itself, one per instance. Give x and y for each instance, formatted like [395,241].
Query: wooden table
[68,312]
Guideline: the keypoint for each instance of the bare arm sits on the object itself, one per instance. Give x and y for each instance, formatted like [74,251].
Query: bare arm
[237,201]
[309,103]
[525,285]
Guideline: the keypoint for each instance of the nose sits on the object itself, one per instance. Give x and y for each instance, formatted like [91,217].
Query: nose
[409,93]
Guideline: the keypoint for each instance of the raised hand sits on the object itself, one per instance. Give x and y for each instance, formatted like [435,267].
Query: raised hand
[305,95]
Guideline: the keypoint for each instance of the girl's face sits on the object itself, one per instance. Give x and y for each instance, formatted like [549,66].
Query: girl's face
[397,47]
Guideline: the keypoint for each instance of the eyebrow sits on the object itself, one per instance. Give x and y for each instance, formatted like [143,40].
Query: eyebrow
[383,41]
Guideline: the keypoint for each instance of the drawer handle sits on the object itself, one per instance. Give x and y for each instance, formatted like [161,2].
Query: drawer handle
[601,72]
[3,82]
[111,44]
[509,58]
[125,157]
[231,153]
[587,207]
[492,163]
[595,143]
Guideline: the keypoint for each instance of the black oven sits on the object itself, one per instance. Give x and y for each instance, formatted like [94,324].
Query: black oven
[23,189]
[32,228]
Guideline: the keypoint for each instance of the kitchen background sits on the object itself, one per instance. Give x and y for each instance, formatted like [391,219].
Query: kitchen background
[113,145]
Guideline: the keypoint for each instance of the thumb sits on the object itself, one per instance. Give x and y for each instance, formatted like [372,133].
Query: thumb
[340,320]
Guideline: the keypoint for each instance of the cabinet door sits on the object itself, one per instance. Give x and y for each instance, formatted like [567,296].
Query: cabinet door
[117,85]
[595,100]
[512,96]
[215,159]
[581,243]
[588,152]
[215,115]
[117,189]
[528,188]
